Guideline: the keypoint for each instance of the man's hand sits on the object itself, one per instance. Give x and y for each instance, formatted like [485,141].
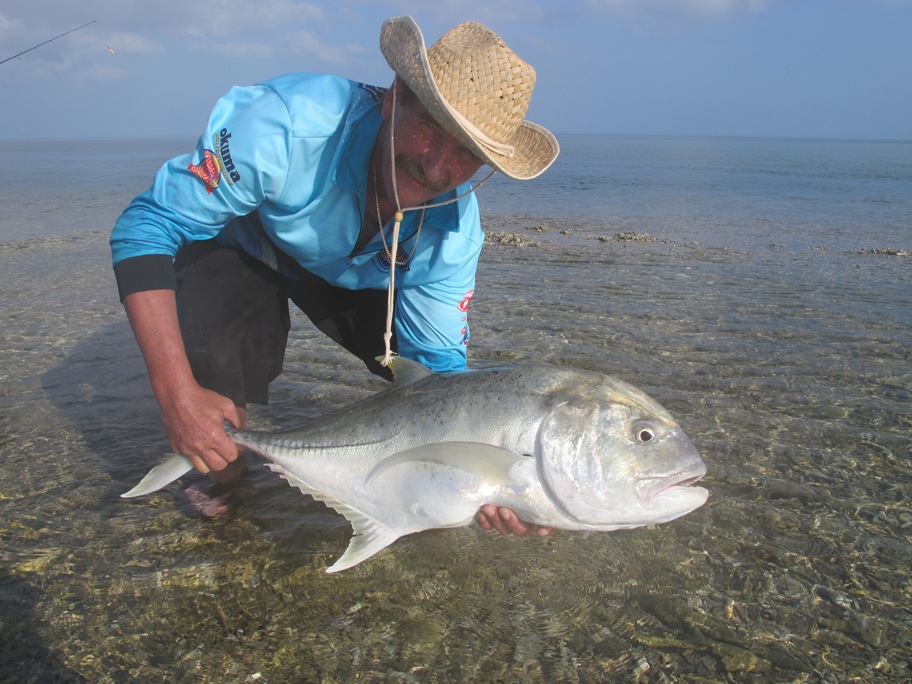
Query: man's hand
[192,416]
[504,520]
[194,425]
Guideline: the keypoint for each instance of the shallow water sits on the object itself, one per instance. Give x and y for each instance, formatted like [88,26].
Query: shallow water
[787,364]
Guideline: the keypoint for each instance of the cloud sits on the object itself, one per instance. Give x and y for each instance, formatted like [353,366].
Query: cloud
[128,43]
[671,14]
[253,20]
[306,43]
[697,8]
[225,29]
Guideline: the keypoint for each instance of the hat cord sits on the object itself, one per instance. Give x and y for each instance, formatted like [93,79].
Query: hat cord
[394,240]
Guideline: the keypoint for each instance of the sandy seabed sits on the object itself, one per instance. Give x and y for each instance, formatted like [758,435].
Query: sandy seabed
[788,368]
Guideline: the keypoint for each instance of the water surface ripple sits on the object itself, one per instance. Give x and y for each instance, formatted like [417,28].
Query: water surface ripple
[789,364]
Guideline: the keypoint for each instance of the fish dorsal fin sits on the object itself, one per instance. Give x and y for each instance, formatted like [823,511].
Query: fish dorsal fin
[490,463]
[370,536]
[406,371]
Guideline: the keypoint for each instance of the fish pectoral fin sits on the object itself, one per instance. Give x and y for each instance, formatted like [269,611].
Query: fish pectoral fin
[490,463]
[163,474]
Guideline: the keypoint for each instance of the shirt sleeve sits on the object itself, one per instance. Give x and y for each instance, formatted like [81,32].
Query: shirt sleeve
[240,161]
[432,324]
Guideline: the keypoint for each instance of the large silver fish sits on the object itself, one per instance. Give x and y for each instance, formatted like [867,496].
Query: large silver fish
[566,448]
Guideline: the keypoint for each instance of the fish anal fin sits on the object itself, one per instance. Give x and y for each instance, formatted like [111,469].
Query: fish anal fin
[370,536]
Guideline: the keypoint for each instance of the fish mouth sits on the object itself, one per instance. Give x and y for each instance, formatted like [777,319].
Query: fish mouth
[648,488]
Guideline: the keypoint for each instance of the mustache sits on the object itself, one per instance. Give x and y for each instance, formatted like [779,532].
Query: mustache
[414,171]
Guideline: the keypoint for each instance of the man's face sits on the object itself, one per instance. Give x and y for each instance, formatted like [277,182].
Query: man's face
[429,161]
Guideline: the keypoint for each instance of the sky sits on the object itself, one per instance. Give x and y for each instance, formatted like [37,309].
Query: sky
[839,69]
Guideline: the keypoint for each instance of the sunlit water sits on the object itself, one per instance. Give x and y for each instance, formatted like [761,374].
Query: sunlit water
[780,344]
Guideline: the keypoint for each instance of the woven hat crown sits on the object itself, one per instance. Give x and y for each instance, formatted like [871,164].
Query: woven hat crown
[477,88]
[484,80]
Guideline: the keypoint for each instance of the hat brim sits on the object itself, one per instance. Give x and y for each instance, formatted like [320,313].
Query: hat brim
[534,147]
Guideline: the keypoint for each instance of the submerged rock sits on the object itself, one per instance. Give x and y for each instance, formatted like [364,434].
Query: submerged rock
[513,239]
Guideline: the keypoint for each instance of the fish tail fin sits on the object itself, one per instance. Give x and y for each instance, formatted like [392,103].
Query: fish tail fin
[163,474]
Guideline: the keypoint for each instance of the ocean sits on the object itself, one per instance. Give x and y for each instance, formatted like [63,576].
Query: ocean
[760,289]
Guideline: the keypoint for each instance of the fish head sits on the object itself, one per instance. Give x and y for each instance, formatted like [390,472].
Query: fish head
[612,457]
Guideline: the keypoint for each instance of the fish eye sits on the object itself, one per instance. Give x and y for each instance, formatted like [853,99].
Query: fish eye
[644,433]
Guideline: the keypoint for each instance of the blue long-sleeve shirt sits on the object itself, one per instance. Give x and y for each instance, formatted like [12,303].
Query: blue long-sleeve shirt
[284,164]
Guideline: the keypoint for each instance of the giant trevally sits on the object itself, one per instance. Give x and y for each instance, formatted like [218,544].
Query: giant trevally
[562,447]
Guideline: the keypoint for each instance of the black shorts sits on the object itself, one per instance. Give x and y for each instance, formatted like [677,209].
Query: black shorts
[233,313]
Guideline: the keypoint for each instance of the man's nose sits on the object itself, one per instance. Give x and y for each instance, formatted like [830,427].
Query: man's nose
[437,165]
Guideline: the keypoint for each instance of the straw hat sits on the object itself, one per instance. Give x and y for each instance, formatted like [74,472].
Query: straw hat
[477,88]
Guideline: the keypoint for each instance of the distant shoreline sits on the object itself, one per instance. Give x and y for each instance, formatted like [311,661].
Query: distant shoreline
[191,138]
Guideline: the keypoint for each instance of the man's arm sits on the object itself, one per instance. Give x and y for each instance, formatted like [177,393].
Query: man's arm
[192,415]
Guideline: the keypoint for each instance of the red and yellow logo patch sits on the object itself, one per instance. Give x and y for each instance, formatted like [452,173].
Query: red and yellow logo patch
[207,171]
[464,304]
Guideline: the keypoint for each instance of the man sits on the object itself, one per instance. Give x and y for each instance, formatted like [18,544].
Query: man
[307,188]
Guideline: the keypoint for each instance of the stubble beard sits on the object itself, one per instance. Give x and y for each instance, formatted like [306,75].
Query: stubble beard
[414,171]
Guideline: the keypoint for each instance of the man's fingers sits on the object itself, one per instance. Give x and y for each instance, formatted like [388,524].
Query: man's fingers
[482,518]
[513,524]
[505,521]
[212,461]
[199,464]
